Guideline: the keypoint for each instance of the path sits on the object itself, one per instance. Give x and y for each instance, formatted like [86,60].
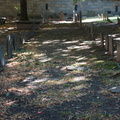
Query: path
[41,88]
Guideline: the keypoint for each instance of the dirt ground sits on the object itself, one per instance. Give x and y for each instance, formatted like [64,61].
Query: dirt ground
[36,83]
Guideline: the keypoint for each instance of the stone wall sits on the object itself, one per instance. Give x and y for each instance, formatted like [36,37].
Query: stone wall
[54,7]
[7,7]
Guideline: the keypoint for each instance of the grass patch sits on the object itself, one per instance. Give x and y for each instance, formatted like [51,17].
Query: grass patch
[101,64]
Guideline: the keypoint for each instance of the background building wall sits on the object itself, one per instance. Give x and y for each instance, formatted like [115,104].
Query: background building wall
[54,7]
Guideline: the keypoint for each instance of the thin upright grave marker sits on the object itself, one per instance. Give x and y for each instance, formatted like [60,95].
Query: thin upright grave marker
[111,46]
[117,40]
[2,58]
[91,29]
[107,43]
[14,38]
[22,41]
[9,46]
[102,40]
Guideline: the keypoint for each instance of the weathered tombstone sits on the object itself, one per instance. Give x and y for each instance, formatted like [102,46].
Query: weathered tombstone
[43,15]
[111,42]
[14,38]
[62,16]
[2,58]
[104,16]
[33,29]
[71,68]
[118,51]
[117,40]
[27,36]
[107,43]
[118,20]
[102,39]
[73,16]
[115,89]
[111,46]
[22,40]
[92,29]
[85,27]
[9,46]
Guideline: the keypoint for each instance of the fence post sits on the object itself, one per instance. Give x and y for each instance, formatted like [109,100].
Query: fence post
[9,46]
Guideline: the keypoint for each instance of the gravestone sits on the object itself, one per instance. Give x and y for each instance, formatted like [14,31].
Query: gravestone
[118,51]
[33,29]
[92,29]
[14,41]
[71,68]
[115,89]
[102,39]
[62,16]
[9,46]
[22,40]
[111,41]
[80,15]
[27,36]
[111,46]
[118,20]
[117,40]
[2,58]
[107,43]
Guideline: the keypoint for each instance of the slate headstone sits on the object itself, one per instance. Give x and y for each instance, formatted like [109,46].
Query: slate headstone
[33,29]
[80,15]
[9,46]
[91,29]
[2,58]
[14,41]
[62,16]
[102,39]
[118,51]
[21,38]
[115,89]
[111,46]
[107,43]
[71,68]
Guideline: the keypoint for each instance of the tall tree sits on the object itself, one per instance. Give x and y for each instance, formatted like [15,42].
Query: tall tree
[23,10]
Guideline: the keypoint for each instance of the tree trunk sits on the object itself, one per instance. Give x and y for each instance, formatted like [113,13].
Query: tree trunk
[23,10]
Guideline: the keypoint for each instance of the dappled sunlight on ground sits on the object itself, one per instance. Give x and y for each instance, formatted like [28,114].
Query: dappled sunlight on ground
[40,85]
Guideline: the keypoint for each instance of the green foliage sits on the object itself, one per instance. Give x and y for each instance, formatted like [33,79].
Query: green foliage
[76,1]
[17,8]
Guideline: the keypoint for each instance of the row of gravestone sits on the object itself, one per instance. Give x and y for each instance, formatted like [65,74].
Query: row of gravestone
[111,43]
[13,43]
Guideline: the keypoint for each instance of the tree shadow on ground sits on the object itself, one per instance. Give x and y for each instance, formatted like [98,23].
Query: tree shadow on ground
[88,102]
[51,96]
